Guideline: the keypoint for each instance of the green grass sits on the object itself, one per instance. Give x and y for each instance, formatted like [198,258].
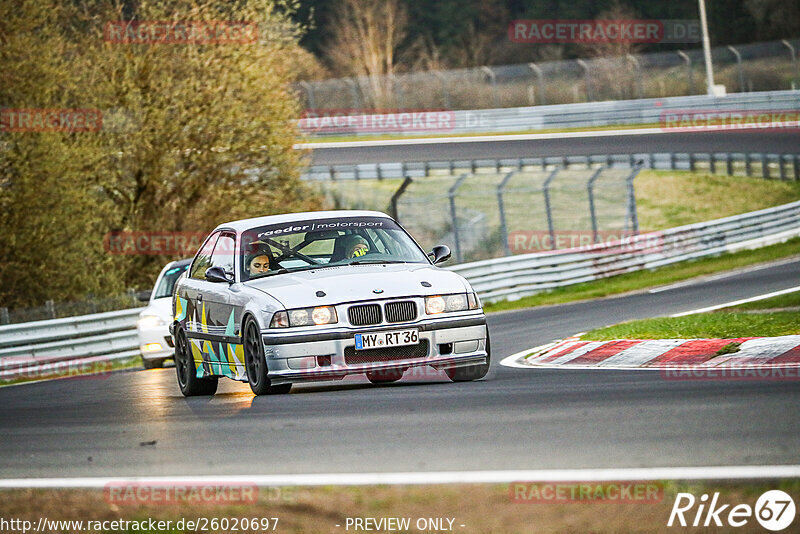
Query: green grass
[723,325]
[645,279]
[789,300]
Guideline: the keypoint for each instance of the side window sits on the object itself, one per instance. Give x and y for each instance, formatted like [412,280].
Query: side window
[223,252]
[203,259]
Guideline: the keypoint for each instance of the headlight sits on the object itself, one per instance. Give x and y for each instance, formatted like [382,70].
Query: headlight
[451,303]
[318,315]
[150,321]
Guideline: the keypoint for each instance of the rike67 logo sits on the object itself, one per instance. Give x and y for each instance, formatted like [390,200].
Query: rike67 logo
[774,510]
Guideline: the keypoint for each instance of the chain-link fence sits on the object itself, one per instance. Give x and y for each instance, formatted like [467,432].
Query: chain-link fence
[57,310]
[483,215]
[744,68]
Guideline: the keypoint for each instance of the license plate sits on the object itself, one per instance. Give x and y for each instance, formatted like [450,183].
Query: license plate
[395,338]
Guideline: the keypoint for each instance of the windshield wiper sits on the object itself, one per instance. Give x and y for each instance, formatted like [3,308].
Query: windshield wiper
[364,262]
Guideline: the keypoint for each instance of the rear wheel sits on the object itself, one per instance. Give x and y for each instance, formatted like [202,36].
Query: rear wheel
[256,364]
[472,372]
[187,372]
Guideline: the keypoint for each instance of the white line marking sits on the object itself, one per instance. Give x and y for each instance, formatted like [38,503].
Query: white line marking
[435,477]
[737,302]
[479,138]
[710,278]
[514,360]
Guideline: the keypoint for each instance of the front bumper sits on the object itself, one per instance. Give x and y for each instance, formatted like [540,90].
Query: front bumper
[296,357]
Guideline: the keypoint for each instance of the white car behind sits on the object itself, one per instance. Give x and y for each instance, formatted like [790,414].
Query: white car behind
[155,341]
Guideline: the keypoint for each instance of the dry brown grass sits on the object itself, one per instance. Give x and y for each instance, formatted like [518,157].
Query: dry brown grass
[480,508]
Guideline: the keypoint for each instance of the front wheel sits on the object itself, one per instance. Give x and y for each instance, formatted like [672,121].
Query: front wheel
[472,372]
[256,364]
[188,381]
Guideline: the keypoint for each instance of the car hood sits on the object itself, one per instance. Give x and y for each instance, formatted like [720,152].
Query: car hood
[358,282]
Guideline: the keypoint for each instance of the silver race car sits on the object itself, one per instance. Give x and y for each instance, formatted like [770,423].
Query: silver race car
[318,296]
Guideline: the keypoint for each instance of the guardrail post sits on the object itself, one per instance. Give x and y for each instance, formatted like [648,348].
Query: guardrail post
[797,167]
[691,161]
[396,196]
[548,211]
[739,67]
[445,94]
[639,81]
[590,190]
[765,167]
[792,51]
[501,209]
[729,163]
[672,161]
[689,69]
[540,82]
[634,218]
[748,165]
[712,163]
[4,318]
[50,306]
[309,93]
[782,165]
[587,79]
[493,78]
[451,195]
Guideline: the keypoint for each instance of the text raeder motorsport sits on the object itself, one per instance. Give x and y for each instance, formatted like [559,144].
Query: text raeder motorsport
[312,227]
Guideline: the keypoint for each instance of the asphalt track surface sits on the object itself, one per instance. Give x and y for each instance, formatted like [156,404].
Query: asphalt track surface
[515,419]
[770,141]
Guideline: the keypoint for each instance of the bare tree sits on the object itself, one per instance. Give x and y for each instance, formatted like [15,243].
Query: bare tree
[365,43]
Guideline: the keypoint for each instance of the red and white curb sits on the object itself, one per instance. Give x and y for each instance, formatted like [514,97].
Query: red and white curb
[783,351]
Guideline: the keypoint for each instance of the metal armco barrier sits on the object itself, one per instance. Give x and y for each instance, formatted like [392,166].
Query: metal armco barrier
[27,347]
[591,114]
[518,276]
[112,335]
[763,165]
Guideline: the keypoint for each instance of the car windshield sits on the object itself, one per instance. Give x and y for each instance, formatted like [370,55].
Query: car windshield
[167,283]
[320,243]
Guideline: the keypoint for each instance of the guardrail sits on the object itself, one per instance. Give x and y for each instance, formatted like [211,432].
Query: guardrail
[27,347]
[783,166]
[518,276]
[582,115]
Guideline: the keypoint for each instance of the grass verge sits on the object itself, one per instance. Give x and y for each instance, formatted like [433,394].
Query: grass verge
[645,279]
[473,508]
[724,325]
[66,370]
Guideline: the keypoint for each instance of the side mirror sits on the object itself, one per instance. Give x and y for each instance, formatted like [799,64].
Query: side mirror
[143,296]
[217,274]
[439,254]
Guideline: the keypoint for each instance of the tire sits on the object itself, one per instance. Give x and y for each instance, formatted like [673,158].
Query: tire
[187,372]
[472,372]
[385,376]
[152,364]
[256,364]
